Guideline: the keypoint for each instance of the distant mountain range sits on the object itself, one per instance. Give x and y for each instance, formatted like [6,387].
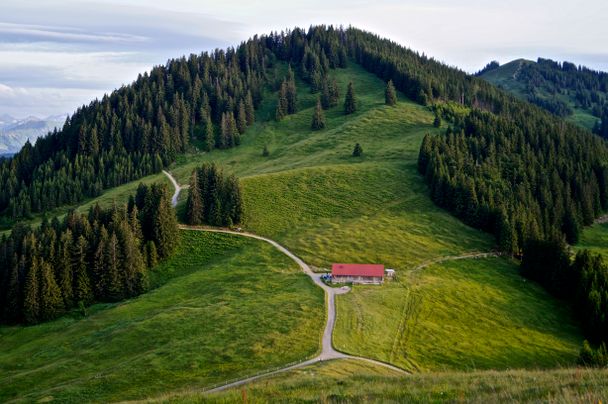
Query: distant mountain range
[15,132]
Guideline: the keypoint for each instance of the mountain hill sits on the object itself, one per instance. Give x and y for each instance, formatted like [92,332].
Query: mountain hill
[576,93]
[15,132]
[451,170]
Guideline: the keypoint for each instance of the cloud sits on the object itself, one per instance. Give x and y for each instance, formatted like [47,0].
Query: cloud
[27,32]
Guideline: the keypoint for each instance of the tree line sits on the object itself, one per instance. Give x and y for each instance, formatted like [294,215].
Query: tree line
[529,178]
[582,281]
[214,198]
[104,255]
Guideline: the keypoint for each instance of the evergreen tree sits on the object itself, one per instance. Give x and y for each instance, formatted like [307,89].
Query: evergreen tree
[318,117]
[241,121]
[437,121]
[265,151]
[82,285]
[31,300]
[390,94]
[64,268]
[357,151]
[350,102]
[194,204]
[165,232]
[249,109]
[282,104]
[51,302]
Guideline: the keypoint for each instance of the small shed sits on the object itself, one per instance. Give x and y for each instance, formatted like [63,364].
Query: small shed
[358,273]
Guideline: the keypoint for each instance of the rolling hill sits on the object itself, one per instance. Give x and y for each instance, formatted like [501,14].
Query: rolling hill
[458,315]
[576,93]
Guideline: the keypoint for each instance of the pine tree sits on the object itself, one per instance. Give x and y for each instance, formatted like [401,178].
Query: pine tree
[151,254]
[194,204]
[437,121]
[265,151]
[318,117]
[249,109]
[350,102]
[82,285]
[357,151]
[241,121]
[390,95]
[112,276]
[31,299]
[51,303]
[165,225]
[282,103]
[64,268]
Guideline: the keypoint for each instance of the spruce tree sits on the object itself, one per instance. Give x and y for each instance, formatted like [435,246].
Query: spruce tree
[194,204]
[437,121]
[112,275]
[390,95]
[318,117]
[249,109]
[31,299]
[350,102]
[241,118]
[165,232]
[51,303]
[151,254]
[82,285]
[64,268]
[357,151]
[282,103]
[265,151]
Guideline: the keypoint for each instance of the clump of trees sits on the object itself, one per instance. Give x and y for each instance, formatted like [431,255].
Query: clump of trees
[287,103]
[514,176]
[214,198]
[104,255]
[582,281]
[330,94]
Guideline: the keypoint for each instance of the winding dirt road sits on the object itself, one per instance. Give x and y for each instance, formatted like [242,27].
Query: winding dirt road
[327,350]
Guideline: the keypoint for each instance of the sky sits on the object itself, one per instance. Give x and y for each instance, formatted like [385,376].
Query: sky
[56,55]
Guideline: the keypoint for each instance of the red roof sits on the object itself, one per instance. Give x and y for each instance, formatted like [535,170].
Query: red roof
[357,270]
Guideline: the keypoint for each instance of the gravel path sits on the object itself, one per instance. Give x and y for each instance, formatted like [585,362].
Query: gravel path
[327,350]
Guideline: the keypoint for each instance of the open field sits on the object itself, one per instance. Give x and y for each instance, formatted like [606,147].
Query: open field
[458,315]
[224,307]
[353,381]
[595,238]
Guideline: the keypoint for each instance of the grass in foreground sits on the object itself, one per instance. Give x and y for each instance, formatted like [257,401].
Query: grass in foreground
[471,314]
[353,381]
[227,307]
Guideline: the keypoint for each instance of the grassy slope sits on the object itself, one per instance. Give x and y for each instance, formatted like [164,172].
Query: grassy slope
[326,206]
[595,238]
[350,381]
[504,77]
[472,314]
[228,307]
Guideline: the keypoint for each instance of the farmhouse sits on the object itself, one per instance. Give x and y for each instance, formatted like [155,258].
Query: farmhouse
[358,273]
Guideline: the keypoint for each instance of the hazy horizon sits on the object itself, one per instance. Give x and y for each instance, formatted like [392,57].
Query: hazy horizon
[56,55]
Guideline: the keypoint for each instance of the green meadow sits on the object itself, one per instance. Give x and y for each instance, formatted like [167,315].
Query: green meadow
[222,307]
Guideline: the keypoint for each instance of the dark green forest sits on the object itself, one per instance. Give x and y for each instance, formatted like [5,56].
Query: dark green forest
[99,257]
